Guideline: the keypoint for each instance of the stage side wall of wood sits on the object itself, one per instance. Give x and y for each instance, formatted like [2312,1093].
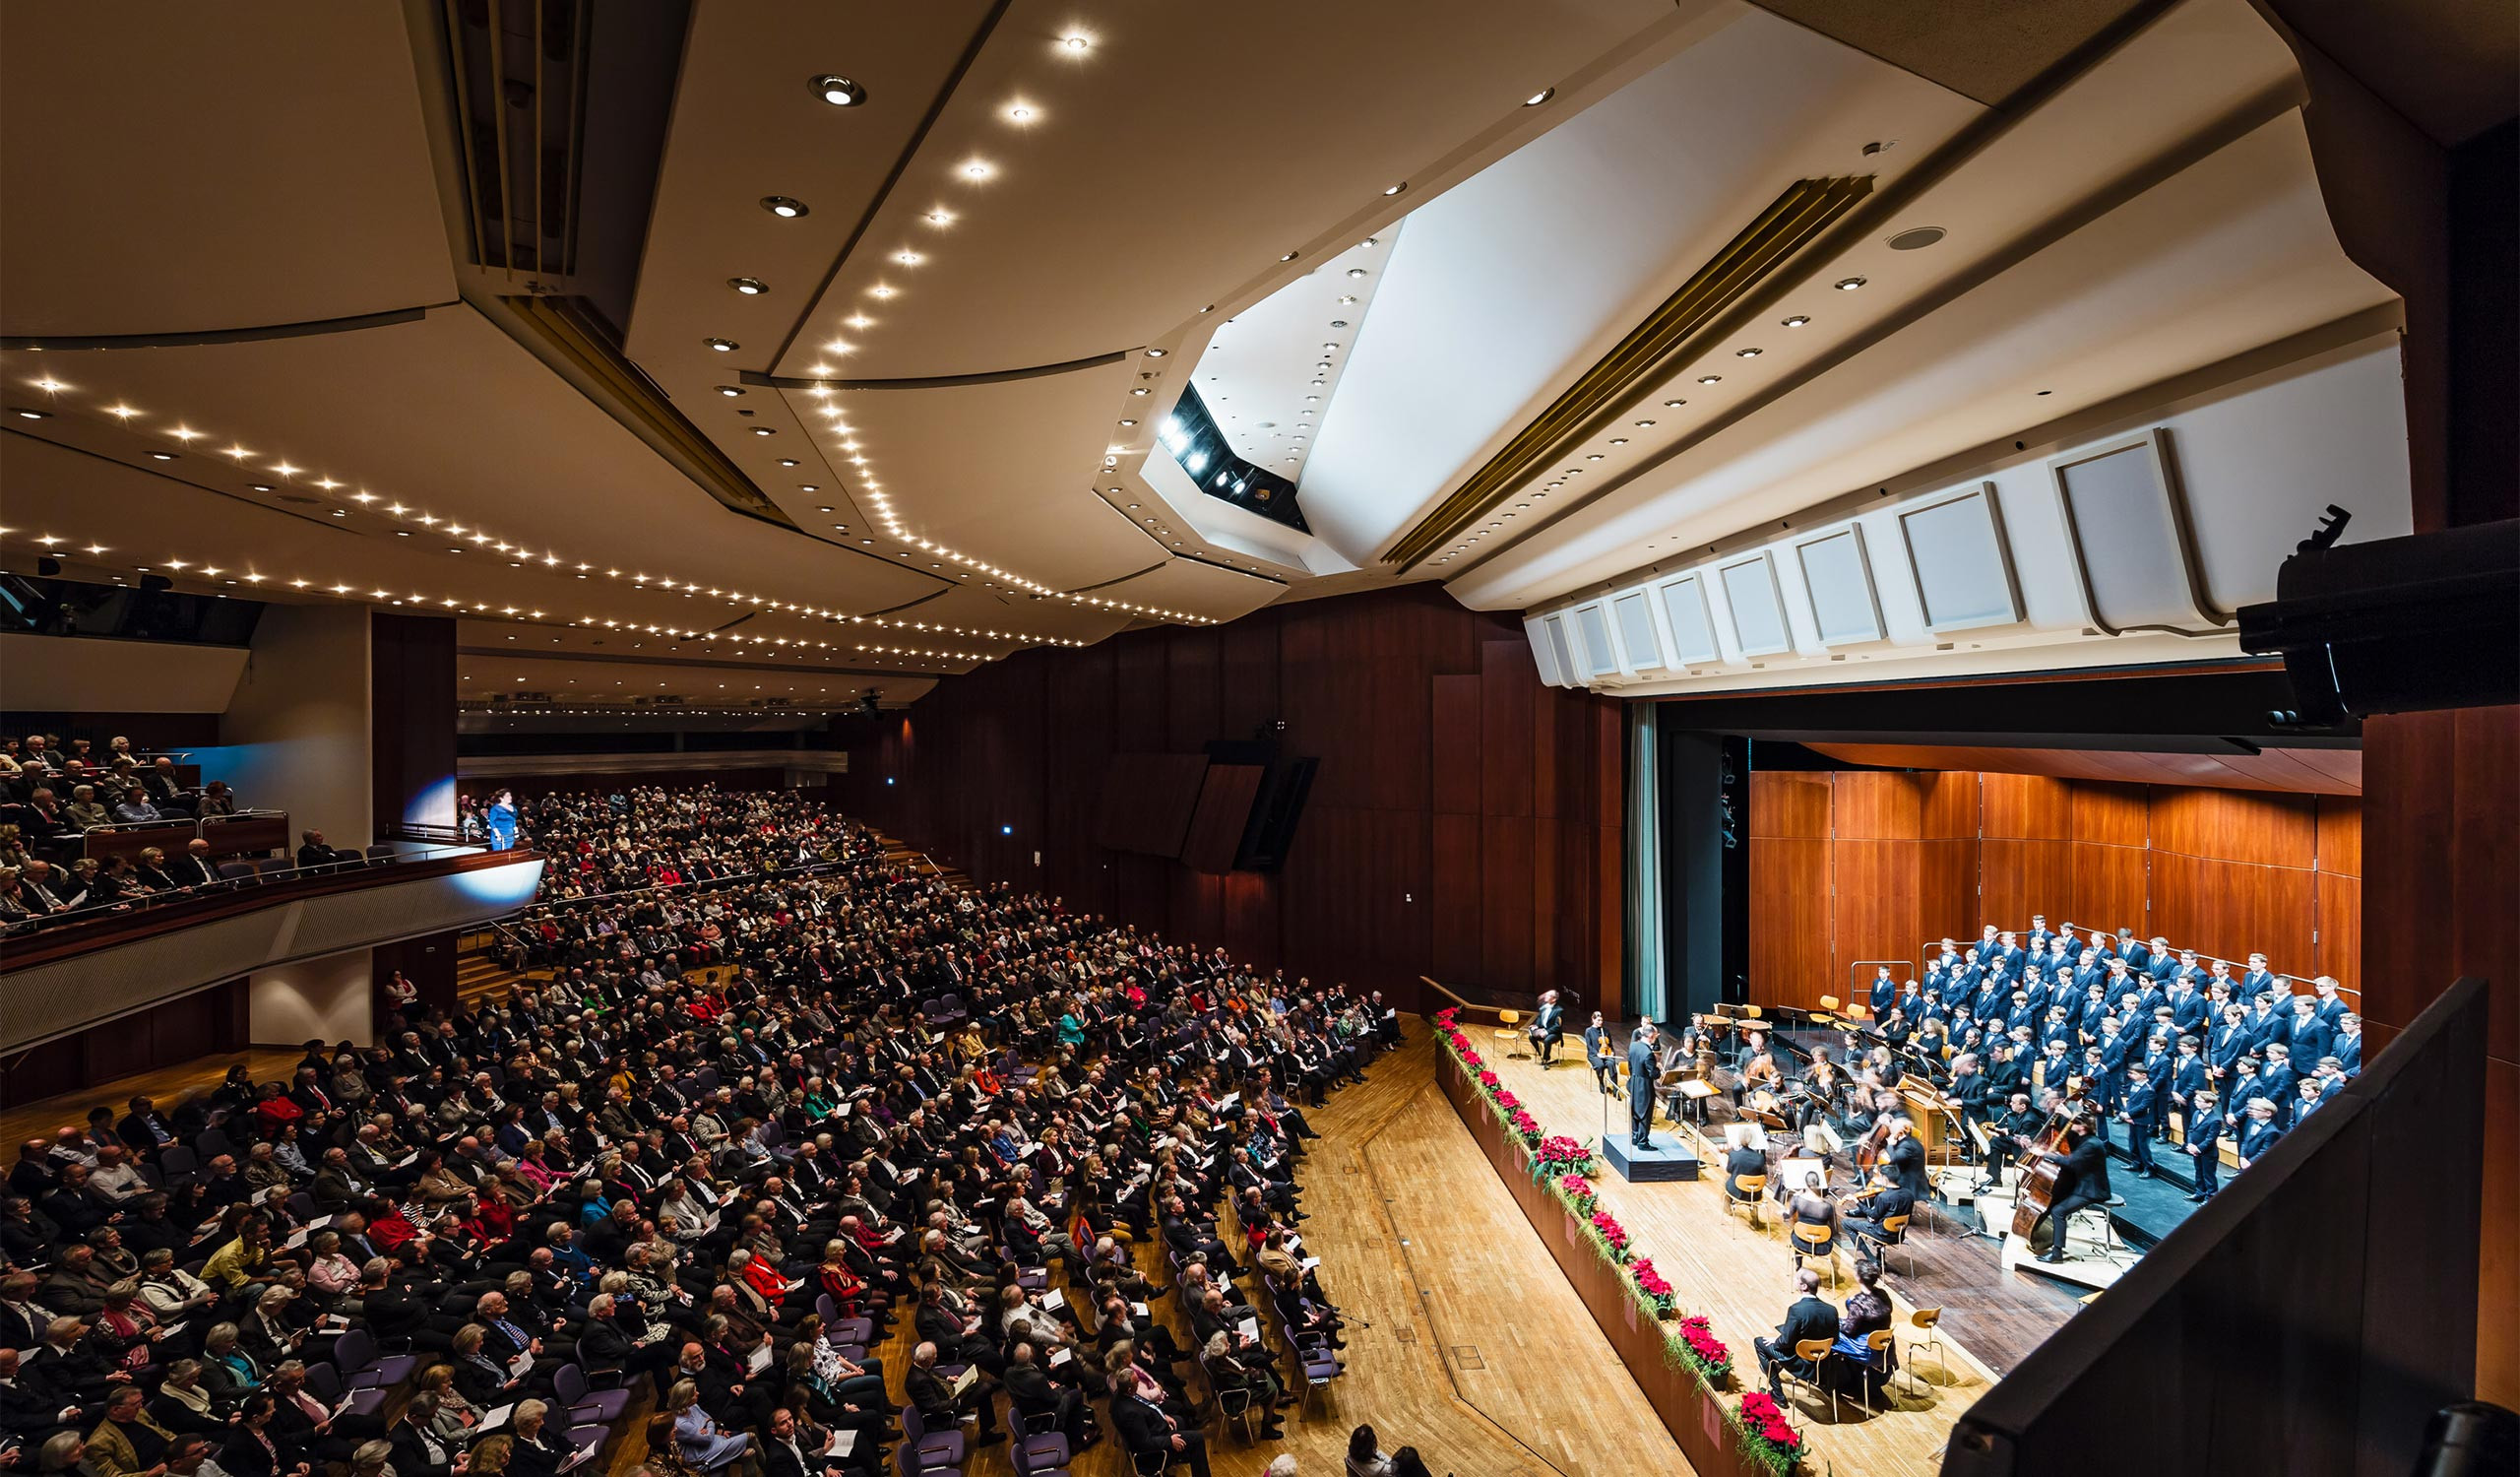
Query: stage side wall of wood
[1851,867]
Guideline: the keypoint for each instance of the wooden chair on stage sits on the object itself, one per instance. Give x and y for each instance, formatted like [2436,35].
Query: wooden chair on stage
[1894,1233]
[1814,1352]
[1827,1015]
[1510,1032]
[1815,1240]
[1884,1345]
[1754,1193]
[1923,1325]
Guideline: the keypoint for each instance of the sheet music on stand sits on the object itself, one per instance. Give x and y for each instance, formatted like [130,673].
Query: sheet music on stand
[1789,1173]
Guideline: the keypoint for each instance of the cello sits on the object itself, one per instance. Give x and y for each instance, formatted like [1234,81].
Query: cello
[2038,1189]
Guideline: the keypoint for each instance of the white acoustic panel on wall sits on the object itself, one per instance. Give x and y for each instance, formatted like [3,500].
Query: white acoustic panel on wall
[1637,637]
[1547,660]
[1962,563]
[1692,624]
[1568,673]
[1838,578]
[1600,657]
[1758,612]
[2132,544]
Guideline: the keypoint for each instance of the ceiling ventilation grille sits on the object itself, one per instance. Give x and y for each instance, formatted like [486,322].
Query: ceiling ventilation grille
[520,91]
[1643,358]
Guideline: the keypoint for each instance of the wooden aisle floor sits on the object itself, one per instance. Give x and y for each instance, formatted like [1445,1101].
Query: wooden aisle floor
[1742,1280]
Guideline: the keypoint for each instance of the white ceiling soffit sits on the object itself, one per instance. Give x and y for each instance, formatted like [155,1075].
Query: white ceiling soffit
[1267,373]
[991,471]
[2231,254]
[1502,291]
[212,167]
[1187,585]
[2211,261]
[1188,518]
[1135,186]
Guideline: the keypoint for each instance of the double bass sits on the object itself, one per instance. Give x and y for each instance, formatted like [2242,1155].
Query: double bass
[2038,1189]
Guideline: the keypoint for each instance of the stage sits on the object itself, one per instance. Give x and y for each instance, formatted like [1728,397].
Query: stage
[1741,1280]
[1670,1158]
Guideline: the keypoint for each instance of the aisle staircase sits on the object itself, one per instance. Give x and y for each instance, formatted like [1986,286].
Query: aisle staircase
[897,853]
[478,970]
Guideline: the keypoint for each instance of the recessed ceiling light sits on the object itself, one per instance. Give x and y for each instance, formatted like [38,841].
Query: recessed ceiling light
[764,430]
[1915,238]
[723,346]
[1619,440]
[785,208]
[1021,112]
[1849,284]
[1747,353]
[1288,257]
[1356,272]
[787,461]
[977,169]
[1645,422]
[908,258]
[261,486]
[163,456]
[879,291]
[1140,390]
[341,512]
[34,415]
[1593,457]
[839,91]
[1156,354]
[1210,308]
[1129,423]
[1370,241]
[1394,189]
[1076,40]
[729,391]
[1710,379]
[1538,97]
[1674,404]
[1797,320]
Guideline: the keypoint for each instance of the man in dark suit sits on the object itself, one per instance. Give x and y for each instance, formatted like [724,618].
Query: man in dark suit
[1809,1318]
[1145,1427]
[1548,1027]
[1604,1059]
[1030,1391]
[940,1407]
[1867,1215]
[2205,1125]
[2082,1179]
[1640,1087]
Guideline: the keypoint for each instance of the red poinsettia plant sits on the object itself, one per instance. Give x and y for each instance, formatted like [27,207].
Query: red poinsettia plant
[1702,1349]
[1489,1080]
[1472,1058]
[1579,1193]
[1613,1234]
[1560,1154]
[1524,1124]
[1657,1291]
[1507,1101]
[1766,1434]
[1444,1018]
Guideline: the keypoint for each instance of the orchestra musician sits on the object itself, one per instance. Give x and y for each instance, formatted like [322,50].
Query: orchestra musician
[1605,1060]
[2082,1180]
[1864,1211]
[2007,1134]
[1548,1027]
[1740,1158]
[1903,1158]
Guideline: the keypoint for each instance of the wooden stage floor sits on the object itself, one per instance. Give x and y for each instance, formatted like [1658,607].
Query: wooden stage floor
[1742,1280]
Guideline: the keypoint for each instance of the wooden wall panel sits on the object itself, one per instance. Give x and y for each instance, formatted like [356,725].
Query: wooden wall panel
[1873,910]
[1504,733]
[1453,938]
[1455,763]
[1788,920]
[1951,805]
[2025,807]
[2110,814]
[2340,833]
[1788,803]
[1947,884]
[2231,908]
[2108,889]
[1873,806]
[1393,692]
[2339,908]
[2015,878]
[2262,827]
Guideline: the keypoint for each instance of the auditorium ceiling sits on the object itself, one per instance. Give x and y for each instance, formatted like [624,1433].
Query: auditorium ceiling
[706,348]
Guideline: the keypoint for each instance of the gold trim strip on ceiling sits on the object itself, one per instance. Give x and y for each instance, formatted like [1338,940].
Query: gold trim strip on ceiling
[1789,222]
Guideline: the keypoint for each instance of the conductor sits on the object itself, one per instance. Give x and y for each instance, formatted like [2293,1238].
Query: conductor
[1640,1087]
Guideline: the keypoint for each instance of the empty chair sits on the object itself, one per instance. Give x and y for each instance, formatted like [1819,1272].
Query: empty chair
[1041,1455]
[238,869]
[301,1205]
[177,1163]
[601,1406]
[706,1079]
[363,1368]
[210,1143]
[379,853]
[929,1449]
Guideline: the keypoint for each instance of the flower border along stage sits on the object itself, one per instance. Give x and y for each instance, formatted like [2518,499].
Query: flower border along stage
[1565,1167]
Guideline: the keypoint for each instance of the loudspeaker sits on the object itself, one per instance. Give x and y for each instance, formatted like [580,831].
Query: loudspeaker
[1274,813]
[2396,625]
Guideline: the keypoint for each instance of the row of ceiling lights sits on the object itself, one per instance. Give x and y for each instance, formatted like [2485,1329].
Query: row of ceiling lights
[1539,493]
[484,538]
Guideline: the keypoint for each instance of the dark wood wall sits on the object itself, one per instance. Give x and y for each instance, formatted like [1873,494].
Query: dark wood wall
[1465,821]
[163,1036]
[1851,867]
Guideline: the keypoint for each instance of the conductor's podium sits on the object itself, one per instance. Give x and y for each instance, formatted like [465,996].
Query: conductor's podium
[1667,1159]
